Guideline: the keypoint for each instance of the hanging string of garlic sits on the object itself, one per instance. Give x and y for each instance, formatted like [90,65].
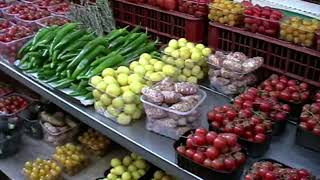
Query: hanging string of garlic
[96,16]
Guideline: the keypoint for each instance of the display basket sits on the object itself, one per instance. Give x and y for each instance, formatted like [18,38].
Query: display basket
[59,138]
[279,56]
[202,171]
[161,24]
[172,123]
[307,139]
[253,149]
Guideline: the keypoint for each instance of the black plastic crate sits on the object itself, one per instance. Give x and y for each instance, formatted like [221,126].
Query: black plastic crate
[307,139]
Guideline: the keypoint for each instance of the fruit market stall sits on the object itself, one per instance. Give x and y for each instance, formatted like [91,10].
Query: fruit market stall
[202,90]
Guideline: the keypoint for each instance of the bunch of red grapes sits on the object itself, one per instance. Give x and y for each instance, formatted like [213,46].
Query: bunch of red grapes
[263,20]
[251,116]
[310,116]
[286,89]
[210,149]
[267,170]
[4,24]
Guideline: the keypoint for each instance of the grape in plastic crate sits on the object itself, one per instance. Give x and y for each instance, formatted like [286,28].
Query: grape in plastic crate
[59,9]
[4,24]
[168,120]
[299,31]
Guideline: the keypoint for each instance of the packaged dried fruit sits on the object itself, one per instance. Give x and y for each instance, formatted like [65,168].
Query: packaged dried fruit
[58,130]
[299,31]
[231,73]
[173,118]
[226,12]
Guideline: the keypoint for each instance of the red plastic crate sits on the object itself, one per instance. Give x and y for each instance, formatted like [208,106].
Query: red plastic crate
[279,56]
[163,24]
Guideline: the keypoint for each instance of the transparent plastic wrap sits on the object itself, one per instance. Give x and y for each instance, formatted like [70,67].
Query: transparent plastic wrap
[52,20]
[94,142]
[231,73]
[19,101]
[4,24]
[9,12]
[299,31]
[8,50]
[59,135]
[173,121]
[50,169]
[19,19]
[60,9]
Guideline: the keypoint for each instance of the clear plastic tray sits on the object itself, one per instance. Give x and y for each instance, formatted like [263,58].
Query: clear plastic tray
[59,138]
[9,50]
[10,24]
[305,36]
[172,123]
[36,3]
[263,26]
[28,23]
[28,99]
[7,15]
[223,16]
[41,22]
[53,10]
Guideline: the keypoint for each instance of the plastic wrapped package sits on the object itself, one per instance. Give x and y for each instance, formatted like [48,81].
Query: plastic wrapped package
[52,20]
[59,134]
[174,120]
[230,73]
[8,50]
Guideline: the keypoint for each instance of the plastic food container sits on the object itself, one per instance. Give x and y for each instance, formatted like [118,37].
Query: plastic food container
[274,162]
[171,123]
[60,138]
[202,171]
[57,11]
[9,50]
[33,128]
[38,3]
[253,149]
[278,127]
[2,21]
[10,143]
[4,5]
[19,111]
[28,23]
[147,176]
[307,139]
[299,31]
[45,22]
[224,15]
[263,26]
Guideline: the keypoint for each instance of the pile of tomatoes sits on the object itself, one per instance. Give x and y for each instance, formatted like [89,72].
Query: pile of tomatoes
[12,104]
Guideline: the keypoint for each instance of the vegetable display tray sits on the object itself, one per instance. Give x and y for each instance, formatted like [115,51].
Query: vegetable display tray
[279,56]
[159,23]
[9,50]
[202,171]
[307,139]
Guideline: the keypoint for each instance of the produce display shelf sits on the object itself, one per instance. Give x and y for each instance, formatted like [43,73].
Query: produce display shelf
[32,149]
[154,148]
[279,56]
[158,149]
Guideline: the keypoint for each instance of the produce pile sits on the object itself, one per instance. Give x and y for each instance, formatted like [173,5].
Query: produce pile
[189,58]
[226,12]
[160,175]
[12,104]
[58,127]
[272,170]
[251,115]
[71,158]
[42,169]
[130,167]
[53,20]
[57,59]
[310,116]
[94,142]
[230,73]
[172,108]
[219,152]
